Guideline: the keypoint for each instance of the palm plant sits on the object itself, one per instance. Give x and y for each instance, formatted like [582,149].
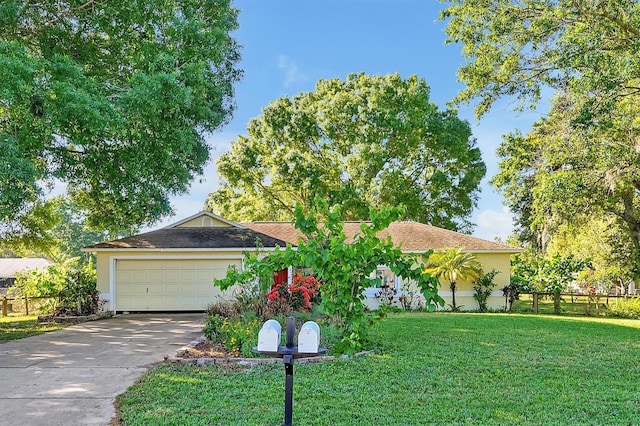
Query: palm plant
[451,265]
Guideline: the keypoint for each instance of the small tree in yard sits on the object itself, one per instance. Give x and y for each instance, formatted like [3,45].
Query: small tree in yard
[344,268]
[73,283]
[483,289]
[555,273]
[451,265]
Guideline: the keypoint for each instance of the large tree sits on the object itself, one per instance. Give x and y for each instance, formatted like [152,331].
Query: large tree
[367,141]
[111,98]
[560,173]
[518,47]
[582,160]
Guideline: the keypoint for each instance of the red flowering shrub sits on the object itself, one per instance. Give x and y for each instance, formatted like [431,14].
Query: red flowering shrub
[299,295]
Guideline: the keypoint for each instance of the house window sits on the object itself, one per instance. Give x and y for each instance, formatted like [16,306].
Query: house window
[386,280]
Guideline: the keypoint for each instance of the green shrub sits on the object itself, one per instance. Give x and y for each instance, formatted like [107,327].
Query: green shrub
[483,289]
[628,308]
[238,334]
[73,282]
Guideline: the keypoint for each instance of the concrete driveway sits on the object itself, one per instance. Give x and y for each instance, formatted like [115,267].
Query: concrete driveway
[73,375]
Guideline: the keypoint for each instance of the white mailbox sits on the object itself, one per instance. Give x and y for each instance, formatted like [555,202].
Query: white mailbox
[269,336]
[309,338]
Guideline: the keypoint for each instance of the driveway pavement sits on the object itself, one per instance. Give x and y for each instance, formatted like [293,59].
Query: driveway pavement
[72,376]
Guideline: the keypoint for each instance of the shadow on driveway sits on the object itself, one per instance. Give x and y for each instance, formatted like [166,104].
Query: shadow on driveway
[73,375]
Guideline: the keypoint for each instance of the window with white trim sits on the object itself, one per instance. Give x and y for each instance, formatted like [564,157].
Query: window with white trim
[387,280]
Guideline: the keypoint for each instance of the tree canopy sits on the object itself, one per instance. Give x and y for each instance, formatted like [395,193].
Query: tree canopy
[581,161]
[559,173]
[518,47]
[367,141]
[114,100]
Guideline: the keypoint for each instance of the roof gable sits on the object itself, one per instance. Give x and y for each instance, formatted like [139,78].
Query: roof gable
[204,219]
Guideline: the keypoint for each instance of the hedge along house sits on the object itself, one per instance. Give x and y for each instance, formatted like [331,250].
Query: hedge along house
[417,238]
[173,268]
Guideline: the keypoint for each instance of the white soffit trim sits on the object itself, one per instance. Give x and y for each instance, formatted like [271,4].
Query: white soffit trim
[171,250]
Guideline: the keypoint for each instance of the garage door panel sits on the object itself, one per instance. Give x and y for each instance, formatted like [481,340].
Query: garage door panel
[169,284]
[154,275]
[186,276]
[173,289]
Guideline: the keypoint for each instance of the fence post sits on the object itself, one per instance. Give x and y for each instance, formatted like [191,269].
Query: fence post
[26,305]
[5,307]
[535,302]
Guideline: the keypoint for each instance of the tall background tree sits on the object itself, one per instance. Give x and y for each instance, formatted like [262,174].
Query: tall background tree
[367,141]
[577,168]
[114,100]
[519,47]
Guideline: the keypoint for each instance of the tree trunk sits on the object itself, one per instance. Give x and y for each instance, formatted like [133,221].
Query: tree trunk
[453,295]
[633,224]
[556,302]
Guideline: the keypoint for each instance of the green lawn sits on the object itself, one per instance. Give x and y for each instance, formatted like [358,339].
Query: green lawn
[491,369]
[19,327]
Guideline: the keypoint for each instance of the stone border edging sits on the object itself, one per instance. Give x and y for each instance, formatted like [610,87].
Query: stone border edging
[74,319]
[178,358]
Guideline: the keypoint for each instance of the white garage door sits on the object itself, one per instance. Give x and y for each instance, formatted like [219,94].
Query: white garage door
[169,284]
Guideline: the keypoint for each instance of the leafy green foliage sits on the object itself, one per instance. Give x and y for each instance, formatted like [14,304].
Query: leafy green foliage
[626,308]
[239,334]
[113,99]
[580,162]
[551,274]
[369,141]
[519,48]
[343,267]
[60,233]
[451,265]
[483,289]
[73,282]
[578,184]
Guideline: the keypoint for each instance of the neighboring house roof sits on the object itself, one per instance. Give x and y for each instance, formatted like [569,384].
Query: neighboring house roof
[193,238]
[10,267]
[410,236]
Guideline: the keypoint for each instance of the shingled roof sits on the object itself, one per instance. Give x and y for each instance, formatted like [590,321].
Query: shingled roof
[193,238]
[410,236]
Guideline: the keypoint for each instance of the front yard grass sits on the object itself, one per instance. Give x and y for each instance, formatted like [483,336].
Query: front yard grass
[454,369]
[19,327]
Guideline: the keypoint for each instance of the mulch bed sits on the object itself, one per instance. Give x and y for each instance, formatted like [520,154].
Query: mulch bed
[206,349]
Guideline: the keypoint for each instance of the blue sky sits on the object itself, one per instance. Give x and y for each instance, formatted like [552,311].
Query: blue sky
[289,45]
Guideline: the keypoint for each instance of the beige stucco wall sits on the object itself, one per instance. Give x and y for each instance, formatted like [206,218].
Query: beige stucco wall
[464,293]
[464,288]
